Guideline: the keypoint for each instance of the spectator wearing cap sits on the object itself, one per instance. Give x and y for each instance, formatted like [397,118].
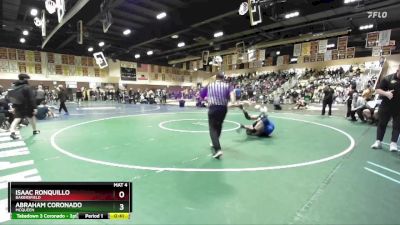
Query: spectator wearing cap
[24,104]
[218,94]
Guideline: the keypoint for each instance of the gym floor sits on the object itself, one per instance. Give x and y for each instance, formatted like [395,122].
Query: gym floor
[313,170]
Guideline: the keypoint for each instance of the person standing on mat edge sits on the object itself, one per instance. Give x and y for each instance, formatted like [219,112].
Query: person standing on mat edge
[389,92]
[328,99]
[62,96]
[24,103]
[218,94]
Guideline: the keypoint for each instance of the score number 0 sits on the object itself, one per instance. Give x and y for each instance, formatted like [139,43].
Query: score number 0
[121,194]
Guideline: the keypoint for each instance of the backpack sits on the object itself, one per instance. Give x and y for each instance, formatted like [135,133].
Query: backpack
[16,94]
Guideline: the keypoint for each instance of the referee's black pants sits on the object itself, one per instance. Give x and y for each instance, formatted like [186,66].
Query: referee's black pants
[384,116]
[324,104]
[216,116]
[63,107]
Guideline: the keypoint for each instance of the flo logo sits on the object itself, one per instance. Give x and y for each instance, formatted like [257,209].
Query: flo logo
[376,14]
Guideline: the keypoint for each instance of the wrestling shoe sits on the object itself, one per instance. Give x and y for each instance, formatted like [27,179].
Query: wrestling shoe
[393,147]
[36,132]
[217,154]
[14,136]
[377,145]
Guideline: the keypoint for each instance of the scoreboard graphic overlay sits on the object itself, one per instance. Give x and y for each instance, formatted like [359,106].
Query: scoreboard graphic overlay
[70,200]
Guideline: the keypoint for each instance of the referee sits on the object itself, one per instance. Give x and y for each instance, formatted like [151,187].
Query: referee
[217,93]
[389,90]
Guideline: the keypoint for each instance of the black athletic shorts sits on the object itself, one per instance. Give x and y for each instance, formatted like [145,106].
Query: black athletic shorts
[23,112]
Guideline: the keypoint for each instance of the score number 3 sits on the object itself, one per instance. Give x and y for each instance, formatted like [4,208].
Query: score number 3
[121,195]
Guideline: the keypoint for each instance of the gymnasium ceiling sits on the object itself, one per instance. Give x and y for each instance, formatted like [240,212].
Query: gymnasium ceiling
[194,21]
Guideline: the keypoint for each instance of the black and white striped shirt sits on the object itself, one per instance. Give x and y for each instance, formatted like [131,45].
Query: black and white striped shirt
[217,93]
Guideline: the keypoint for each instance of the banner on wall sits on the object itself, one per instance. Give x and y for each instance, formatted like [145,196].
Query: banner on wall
[57,58]
[297,50]
[12,53]
[372,40]
[269,61]
[305,48]
[376,51]
[350,52]
[286,59]
[205,55]
[335,54]
[313,57]
[37,56]
[261,54]
[384,38]
[251,52]
[3,53]
[143,68]
[342,43]
[386,50]
[314,48]
[322,46]
[279,61]
[21,55]
[245,58]
[13,65]
[300,59]
[234,59]
[320,57]
[4,66]
[342,54]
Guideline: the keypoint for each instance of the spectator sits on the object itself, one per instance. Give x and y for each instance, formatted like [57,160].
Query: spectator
[24,102]
[40,95]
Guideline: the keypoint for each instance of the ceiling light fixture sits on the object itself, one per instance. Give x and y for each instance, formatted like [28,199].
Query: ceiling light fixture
[101,44]
[181,44]
[126,32]
[161,15]
[150,52]
[34,12]
[175,36]
[137,56]
[22,40]
[331,46]
[278,53]
[219,34]
[25,32]
[292,14]
[90,49]
[366,27]
[350,1]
